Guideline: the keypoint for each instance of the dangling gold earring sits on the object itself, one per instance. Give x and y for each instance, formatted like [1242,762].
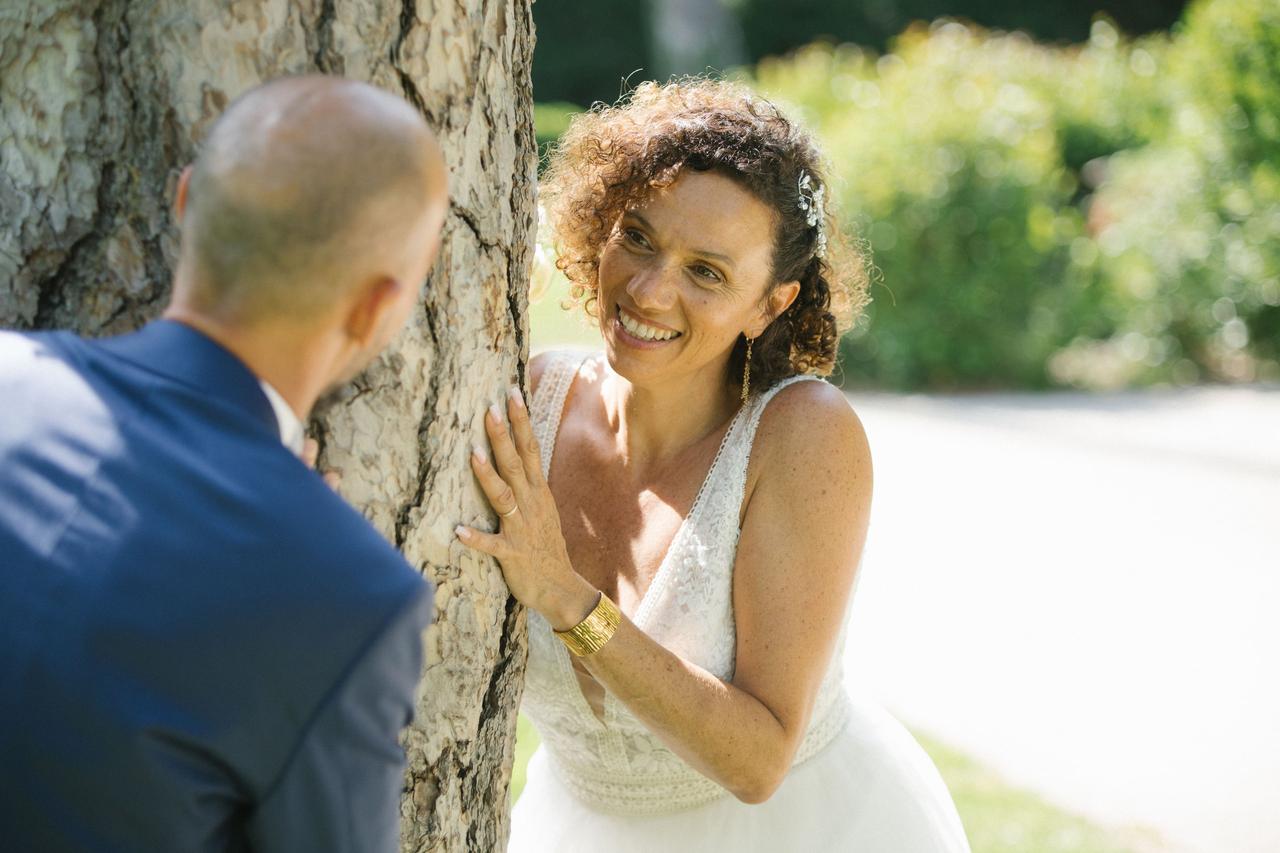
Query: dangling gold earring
[746,372]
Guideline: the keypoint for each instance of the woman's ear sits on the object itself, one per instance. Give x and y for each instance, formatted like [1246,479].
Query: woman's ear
[778,300]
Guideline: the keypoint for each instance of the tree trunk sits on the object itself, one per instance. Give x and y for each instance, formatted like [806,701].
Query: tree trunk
[103,103]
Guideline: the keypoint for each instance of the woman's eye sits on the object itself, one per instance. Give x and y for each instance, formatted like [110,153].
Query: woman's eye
[634,236]
[706,272]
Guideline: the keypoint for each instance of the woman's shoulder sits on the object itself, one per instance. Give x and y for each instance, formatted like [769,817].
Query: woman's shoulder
[809,409]
[540,362]
[538,366]
[809,428]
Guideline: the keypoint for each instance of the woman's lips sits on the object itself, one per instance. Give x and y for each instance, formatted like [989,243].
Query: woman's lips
[621,333]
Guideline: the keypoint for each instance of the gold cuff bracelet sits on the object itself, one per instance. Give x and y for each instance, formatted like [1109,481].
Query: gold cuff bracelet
[589,635]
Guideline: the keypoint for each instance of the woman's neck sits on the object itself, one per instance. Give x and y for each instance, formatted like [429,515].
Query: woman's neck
[657,423]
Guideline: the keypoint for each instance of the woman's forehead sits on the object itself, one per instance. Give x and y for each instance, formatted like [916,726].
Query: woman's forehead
[708,211]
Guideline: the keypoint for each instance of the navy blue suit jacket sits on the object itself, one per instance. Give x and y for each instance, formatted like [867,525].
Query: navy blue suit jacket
[202,647]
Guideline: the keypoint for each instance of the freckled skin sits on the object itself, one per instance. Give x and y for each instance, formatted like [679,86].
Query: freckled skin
[660,263]
[637,438]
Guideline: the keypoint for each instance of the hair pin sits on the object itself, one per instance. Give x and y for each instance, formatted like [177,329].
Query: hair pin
[811,202]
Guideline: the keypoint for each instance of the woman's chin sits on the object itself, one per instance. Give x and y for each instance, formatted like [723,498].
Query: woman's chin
[634,359]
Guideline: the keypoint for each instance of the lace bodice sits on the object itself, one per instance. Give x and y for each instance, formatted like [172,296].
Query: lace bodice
[615,764]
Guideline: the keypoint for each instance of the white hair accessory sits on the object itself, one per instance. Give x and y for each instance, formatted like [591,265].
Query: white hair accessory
[810,201]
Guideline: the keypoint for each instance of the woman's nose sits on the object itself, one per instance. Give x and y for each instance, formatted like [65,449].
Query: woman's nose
[652,289]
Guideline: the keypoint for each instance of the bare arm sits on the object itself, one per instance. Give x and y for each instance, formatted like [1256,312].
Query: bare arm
[802,534]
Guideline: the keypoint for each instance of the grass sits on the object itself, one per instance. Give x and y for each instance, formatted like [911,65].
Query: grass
[998,817]
[526,742]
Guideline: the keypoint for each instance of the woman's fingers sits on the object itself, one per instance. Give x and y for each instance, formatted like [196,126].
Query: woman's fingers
[504,451]
[526,444]
[490,543]
[500,495]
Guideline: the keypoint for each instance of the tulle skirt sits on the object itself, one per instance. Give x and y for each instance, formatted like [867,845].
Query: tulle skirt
[871,789]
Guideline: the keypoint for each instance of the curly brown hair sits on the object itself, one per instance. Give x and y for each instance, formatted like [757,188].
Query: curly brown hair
[611,158]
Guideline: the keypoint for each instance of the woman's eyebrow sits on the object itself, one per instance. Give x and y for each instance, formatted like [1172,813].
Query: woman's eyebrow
[724,259]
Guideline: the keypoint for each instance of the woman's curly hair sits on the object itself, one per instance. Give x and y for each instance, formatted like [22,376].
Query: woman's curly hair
[612,158]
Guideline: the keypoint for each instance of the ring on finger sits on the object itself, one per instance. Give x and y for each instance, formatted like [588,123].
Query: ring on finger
[510,512]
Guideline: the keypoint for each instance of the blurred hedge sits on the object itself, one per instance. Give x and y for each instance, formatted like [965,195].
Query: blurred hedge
[773,27]
[1100,215]
[1189,227]
[585,49]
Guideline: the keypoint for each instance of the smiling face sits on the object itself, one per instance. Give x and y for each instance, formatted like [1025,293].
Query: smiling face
[682,276]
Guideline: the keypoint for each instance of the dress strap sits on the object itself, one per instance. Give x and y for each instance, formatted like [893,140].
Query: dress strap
[762,400]
[745,440]
[547,407]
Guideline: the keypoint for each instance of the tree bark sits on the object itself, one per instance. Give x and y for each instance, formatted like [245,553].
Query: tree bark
[103,103]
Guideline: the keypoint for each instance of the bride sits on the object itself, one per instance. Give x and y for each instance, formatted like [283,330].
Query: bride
[684,514]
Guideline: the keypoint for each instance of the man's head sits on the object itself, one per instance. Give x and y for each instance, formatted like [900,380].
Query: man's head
[315,204]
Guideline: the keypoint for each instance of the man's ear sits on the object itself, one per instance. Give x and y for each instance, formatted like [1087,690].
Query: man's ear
[779,300]
[373,306]
[180,199]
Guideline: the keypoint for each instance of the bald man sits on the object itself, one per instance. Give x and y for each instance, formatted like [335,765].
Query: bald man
[201,646]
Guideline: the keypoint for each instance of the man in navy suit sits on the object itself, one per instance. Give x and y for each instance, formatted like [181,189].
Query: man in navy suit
[202,647]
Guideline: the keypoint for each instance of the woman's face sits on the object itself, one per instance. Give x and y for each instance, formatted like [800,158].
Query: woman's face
[682,276]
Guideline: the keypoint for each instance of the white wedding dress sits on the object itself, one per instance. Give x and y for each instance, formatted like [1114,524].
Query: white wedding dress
[859,782]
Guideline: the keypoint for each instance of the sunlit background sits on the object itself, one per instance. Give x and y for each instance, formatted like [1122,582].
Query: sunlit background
[1070,375]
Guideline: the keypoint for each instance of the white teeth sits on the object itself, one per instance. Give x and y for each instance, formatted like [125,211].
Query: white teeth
[642,331]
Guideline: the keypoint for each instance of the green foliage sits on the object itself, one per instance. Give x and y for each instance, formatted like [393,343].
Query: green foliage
[1099,216]
[774,27]
[951,150]
[1227,58]
[1106,95]
[585,49]
[550,120]
[1188,227]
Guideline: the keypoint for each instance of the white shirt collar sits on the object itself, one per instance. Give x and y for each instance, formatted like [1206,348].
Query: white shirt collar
[292,432]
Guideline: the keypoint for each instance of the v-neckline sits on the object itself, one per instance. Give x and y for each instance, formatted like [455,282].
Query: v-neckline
[664,569]
[643,606]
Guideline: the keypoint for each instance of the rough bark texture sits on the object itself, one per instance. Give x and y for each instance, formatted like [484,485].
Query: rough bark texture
[103,103]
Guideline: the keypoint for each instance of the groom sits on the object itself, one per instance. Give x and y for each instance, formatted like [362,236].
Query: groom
[201,646]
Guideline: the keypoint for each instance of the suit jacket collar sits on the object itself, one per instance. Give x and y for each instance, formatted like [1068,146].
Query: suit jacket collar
[183,354]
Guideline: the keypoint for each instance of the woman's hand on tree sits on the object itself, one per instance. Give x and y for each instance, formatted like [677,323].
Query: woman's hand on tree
[529,544]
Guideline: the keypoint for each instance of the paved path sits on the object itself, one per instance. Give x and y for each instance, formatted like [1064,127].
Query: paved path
[1084,592]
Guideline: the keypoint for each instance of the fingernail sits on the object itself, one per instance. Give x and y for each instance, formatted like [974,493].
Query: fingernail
[516,396]
[478,452]
[460,531]
[495,413]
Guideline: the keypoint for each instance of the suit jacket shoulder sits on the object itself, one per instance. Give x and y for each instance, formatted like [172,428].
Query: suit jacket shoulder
[174,584]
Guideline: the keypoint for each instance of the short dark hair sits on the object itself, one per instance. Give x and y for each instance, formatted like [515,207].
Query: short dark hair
[271,200]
